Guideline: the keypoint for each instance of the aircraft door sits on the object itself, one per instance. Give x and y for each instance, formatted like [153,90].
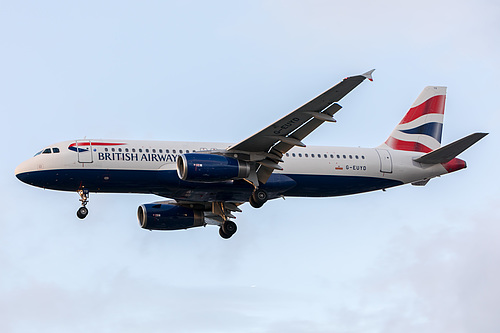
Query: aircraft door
[385,160]
[84,148]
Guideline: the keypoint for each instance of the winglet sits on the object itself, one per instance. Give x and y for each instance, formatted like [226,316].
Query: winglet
[368,75]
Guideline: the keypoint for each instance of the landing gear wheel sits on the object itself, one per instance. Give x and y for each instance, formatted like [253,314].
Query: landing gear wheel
[258,198]
[82,212]
[223,234]
[253,203]
[229,228]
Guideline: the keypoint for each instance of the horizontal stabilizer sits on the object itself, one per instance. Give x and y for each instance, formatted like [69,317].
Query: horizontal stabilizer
[450,151]
[422,182]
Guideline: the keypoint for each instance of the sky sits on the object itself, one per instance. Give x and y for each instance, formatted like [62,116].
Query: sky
[411,259]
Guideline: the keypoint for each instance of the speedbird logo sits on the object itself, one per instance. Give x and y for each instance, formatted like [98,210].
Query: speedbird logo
[79,146]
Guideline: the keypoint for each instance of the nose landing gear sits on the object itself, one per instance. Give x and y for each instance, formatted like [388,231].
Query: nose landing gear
[82,212]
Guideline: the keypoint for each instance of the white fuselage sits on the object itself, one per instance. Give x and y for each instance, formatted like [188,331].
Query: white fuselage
[128,166]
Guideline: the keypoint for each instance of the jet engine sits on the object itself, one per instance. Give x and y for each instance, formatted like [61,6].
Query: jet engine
[169,217]
[207,168]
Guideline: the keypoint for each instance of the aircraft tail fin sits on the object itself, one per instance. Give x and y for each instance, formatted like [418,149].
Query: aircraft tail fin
[450,151]
[421,128]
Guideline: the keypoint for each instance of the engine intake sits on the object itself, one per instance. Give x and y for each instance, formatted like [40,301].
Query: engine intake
[169,217]
[207,168]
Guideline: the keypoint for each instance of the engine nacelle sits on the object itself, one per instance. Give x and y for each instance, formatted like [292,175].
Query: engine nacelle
[169,217]
[208,168]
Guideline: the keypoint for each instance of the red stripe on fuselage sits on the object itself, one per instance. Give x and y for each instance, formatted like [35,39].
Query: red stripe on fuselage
[433,105]
[80,144]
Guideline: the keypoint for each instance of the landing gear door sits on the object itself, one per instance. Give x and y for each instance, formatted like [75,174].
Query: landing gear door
[385,160]
[84,149]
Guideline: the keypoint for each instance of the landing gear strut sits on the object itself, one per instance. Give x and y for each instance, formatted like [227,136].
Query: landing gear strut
[82,212]
[258,198]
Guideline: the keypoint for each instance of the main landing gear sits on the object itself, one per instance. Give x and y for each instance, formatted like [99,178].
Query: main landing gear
[222,215]
[258,198]
[82,212]
[227,229]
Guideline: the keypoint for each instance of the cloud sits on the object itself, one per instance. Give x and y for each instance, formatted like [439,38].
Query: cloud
[439,282]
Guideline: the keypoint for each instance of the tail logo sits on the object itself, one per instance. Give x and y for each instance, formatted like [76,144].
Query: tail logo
[422,126]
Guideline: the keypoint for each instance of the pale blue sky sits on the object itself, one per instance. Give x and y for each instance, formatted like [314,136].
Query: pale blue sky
[407,260]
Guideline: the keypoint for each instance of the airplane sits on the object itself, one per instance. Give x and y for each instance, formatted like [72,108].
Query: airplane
[206,182]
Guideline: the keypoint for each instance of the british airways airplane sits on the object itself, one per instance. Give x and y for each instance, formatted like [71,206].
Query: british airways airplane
[206,182]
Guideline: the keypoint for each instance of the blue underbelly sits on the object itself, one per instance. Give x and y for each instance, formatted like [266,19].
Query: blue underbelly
[166,183]
[329,186]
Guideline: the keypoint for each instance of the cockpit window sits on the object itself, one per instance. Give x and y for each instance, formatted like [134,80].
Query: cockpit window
[54,150]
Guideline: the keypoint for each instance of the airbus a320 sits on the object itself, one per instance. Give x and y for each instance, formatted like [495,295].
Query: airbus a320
[207,182]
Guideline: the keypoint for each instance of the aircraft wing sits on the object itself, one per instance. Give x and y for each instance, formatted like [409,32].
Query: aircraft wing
[267,147]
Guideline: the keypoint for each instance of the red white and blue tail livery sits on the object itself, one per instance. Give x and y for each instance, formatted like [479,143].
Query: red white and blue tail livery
[422,126]
[206,182]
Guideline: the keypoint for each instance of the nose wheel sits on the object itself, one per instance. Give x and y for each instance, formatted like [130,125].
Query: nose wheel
[82,212]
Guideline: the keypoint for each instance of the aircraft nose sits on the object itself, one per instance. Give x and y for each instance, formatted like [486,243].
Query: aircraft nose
[24,170]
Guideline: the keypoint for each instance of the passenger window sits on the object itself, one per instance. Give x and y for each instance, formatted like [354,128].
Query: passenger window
[167,151]
[55,150]
[180,151]
[46,151]
[173,151]
[133,150]
[326,156]
[362,157]
[338,156]
[161,151]
[350,156]
[147,150]
[126,150]
[300,155]
[140,150]
[331,155]
[319,155]
[344,156]
[293,154]
[112,149]
[120,150]
[357,157]
[312,155]
[287,155]
[154,151]
[187,151]
[306,155]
